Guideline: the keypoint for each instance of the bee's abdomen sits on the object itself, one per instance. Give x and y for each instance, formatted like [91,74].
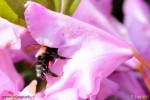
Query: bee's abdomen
[41,66]
[38,71]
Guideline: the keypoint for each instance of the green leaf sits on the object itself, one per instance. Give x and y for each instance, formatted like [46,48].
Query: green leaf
[70,6]
[23,1]
[42,2]
[17,6]
[6,12]
[54,5]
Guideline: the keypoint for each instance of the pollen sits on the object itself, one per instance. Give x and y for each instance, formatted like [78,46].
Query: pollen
[41,51]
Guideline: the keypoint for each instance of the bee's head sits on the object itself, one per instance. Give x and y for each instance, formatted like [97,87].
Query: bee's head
[41,51]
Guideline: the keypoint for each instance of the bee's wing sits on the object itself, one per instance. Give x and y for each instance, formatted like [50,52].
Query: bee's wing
[31,50]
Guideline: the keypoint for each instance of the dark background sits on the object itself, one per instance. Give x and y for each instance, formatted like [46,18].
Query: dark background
[117,9]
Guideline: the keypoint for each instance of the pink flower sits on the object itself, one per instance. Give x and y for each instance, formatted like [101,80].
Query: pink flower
[94,53]
[99,66]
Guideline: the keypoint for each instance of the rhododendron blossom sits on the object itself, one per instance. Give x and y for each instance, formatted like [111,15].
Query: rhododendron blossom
[87,46]
[104,58]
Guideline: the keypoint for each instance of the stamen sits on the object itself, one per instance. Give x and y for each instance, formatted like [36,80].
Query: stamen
[141,59]
[144,75]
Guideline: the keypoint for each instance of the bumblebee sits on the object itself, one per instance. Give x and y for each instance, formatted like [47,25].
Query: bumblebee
[44,56]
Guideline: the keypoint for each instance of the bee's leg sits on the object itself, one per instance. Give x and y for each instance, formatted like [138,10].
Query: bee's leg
[63,57]
[53,74]
[55,55]
[42,76]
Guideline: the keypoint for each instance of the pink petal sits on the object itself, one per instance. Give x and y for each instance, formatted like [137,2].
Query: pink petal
[29,90]
[129,65]
[129,85]
[7,86]
[104,6]
[94,53]
[6,65]
[9,40]
[88,13]
[40,95]
[107,88]
[121,30]
[69,94]
[57,28]
[14,37]
[86,69]
[18,55]
[137,21]
[9,35]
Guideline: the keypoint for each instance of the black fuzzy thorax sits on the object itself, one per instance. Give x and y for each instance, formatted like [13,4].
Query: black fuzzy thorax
[43,60]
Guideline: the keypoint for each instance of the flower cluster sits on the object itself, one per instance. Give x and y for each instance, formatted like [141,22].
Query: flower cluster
[107,58]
